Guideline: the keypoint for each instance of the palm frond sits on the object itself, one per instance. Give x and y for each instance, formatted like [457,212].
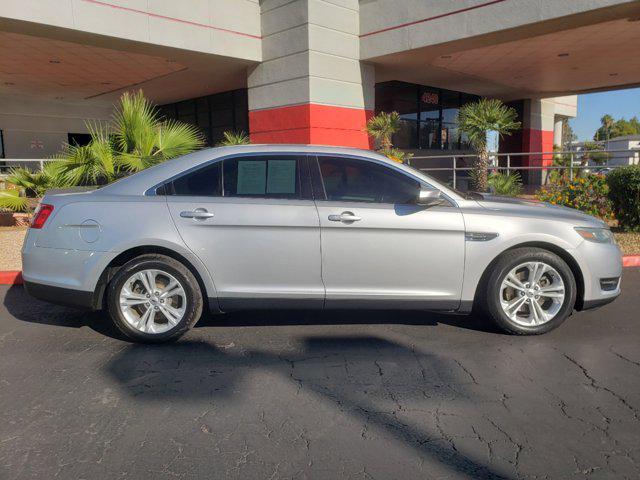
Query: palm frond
[13,202]
[135,123]
[176,138]
[477,118]
[383,126]
[508,184]
[234,138]
[79,165]
[133,162]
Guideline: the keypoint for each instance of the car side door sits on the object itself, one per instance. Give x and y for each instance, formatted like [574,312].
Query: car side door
[379,247]
[252,221]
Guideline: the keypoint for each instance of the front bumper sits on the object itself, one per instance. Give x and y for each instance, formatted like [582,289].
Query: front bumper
[598,262]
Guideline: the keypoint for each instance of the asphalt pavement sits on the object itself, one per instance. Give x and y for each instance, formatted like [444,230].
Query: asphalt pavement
[320,395]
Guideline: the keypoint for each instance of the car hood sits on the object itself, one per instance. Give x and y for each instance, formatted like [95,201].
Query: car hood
[535,208]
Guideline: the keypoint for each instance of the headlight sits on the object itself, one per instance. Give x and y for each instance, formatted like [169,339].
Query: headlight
[598,235]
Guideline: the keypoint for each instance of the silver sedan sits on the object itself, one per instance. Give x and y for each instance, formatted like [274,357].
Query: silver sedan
[290,226]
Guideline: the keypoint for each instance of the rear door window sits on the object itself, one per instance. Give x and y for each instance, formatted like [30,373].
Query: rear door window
[262,177]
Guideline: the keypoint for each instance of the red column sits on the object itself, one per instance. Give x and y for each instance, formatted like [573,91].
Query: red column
[538,141]
[311,124]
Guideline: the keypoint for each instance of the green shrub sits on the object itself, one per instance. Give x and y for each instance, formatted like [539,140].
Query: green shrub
[507,184]
[10,200]
[624,192]
[588,194]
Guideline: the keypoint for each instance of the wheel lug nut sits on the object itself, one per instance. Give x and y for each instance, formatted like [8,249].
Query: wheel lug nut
[162,300]
[155,308]
[148,295]
[148,304]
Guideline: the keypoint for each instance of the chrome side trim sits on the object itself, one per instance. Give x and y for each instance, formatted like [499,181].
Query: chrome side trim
[479,236]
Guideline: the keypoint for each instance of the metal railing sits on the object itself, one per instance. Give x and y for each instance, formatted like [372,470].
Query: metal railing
[35,164]
[576,161]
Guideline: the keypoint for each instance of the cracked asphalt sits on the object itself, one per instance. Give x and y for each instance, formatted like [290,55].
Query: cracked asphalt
[278,395]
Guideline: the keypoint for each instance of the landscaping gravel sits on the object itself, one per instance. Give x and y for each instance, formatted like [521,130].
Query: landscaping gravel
[11,239]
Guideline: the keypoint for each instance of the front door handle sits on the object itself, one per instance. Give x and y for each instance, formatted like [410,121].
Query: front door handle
[345,217]
[198,214]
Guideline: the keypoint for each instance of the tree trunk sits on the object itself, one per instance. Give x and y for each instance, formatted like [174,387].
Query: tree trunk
[480,171]
[385,143]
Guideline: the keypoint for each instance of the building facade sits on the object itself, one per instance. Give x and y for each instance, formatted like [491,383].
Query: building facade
[616,147]
[308,71]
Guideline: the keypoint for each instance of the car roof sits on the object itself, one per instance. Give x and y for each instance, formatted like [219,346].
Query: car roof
[140,182]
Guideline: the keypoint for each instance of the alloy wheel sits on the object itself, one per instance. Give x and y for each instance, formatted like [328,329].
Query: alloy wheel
[532,293]
[152,301]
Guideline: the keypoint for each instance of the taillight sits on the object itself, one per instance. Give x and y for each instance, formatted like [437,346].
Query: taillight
[41,214]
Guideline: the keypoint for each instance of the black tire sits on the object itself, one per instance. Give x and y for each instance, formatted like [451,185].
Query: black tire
[489,294]
[193,294]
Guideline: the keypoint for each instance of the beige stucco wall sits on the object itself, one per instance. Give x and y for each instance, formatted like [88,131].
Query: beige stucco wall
[452,21]
[221,27]
[311,54]
[37,129]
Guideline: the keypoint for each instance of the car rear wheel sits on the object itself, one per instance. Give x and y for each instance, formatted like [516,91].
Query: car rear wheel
[154,298]
[529,291]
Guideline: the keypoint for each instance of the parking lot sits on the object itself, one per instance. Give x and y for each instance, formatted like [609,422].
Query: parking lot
[369,395]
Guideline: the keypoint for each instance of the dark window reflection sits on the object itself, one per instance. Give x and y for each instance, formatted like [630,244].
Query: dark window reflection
[213,114]
[429,115]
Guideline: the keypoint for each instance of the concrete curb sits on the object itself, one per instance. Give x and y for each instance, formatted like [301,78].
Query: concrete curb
[14,277]
[11,277]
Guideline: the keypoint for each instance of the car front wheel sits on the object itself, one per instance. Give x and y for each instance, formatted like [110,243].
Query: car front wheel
[154,298]
[529,291]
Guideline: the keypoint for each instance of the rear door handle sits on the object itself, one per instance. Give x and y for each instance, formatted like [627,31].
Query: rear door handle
[198,214]
[345,217]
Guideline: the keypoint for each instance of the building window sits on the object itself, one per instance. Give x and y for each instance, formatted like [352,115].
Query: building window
[428,115]
[213,114]
[78,139]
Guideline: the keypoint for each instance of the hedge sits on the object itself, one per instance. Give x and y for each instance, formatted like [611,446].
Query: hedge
[624,193]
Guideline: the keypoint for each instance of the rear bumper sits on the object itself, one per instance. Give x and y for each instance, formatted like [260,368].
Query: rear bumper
[61,296]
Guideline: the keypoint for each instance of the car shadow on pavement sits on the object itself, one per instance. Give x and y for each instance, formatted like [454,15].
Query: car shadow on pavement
[261,318]
[380,383]
[28,309]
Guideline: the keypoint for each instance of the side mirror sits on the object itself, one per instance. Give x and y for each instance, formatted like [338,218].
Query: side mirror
[429,196]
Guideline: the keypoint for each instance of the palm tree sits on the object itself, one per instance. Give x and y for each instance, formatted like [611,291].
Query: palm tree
[135,139]
[33,184]
[143,139]
[91,164]
[382,127]
[475,120]
[234,138]
[607,122]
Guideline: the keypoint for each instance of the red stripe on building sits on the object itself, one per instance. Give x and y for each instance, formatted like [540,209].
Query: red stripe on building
[435,17]
[311,124]
[172,19]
